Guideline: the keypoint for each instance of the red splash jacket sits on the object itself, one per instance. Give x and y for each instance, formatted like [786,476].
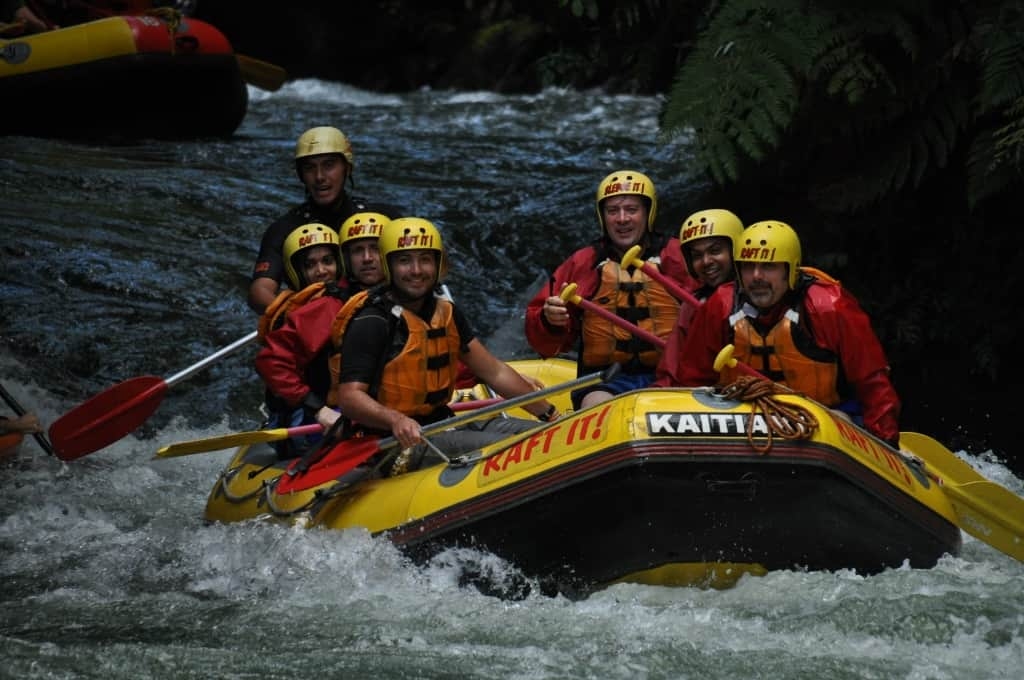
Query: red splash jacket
[834,321]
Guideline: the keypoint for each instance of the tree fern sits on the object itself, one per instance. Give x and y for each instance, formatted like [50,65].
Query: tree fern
[739,88]
[995,156]
[876,89]
[998,42]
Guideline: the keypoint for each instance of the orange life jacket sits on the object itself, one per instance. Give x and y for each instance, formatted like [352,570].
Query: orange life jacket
[637,298]
[421,377]
[786,354]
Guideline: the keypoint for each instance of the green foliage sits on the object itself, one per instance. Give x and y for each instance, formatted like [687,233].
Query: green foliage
[901,85]
[995,155]
[739,88]
[567,67]
[996,40]
[891,132]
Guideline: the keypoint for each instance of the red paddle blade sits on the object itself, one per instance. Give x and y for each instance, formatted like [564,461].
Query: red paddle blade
[107,417]
[344,457]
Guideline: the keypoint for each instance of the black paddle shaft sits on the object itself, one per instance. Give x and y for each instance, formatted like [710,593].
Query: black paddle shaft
[18,410]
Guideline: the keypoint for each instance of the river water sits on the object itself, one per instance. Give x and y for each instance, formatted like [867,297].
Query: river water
[122,260]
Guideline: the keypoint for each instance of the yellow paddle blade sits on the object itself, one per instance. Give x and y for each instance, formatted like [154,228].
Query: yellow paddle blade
[261,74]
[990,513]
[984,509]
[227,441]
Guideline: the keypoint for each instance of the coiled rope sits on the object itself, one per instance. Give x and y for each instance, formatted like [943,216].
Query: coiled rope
[788,421]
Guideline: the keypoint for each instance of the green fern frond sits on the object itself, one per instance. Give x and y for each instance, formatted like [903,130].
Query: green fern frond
[847,66]
[994,161]
[1001,61]
[1009,139]
[751,58]
[581,8]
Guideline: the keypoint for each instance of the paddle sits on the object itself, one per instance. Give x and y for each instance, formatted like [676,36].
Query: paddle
[350,454]
[228,441]
[632,259]
[989,512]
[569,295]
[261,74]
[19,411]
[116,412]
[725,359]
[11,30]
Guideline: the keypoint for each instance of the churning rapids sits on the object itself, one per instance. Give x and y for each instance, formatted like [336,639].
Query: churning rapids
[123,260]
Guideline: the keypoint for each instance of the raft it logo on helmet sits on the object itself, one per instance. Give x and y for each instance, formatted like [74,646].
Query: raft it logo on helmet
[367,230]
[416,241]
[703,229]
[626,187]
[757,253]
[308,240]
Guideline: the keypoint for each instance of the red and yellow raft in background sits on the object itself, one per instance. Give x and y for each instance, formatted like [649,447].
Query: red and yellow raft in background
[146,76]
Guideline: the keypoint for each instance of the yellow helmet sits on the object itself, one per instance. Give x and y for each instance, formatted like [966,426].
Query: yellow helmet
[306,236]
[359,226]
[628,182]
[362,225]
[705,224]
[770,241]
[411,233]
[321,140]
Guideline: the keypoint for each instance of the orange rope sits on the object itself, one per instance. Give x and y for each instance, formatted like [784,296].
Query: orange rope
[787,421]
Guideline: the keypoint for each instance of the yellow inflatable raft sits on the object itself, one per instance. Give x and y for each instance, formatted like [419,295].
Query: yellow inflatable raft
[662,486]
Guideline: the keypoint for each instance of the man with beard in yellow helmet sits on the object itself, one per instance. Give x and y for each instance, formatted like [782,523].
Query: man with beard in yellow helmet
[324,162]
[800,329]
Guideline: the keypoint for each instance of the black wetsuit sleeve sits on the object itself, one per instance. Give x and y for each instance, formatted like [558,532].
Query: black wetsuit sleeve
[364,346]
[466,333]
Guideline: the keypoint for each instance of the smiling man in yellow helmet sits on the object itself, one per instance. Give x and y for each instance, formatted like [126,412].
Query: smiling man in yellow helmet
[706,239]
[627,207]
[400,348]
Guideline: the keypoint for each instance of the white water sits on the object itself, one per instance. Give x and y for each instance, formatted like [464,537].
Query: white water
[109,571]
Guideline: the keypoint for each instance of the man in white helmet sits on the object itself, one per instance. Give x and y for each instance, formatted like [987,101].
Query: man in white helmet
[324,162]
